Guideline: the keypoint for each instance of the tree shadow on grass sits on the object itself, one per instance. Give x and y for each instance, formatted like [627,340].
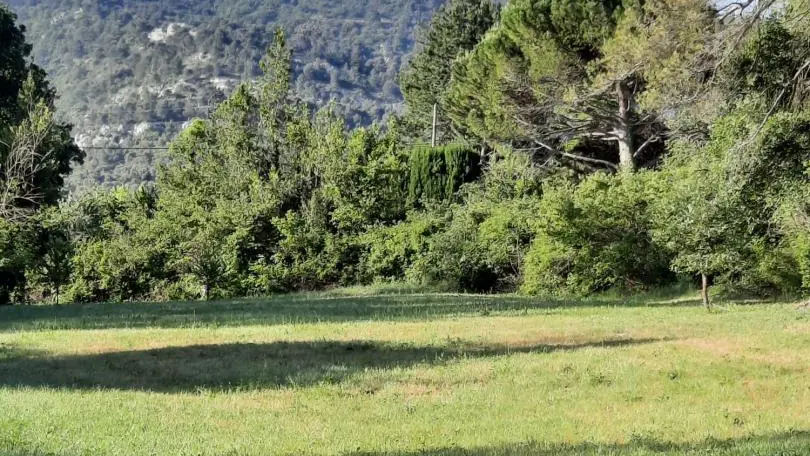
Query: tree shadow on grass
[794,443]
[285,310]
[246,366]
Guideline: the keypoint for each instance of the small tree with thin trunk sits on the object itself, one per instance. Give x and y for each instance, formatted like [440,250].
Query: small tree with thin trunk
[203,256]
[698,215]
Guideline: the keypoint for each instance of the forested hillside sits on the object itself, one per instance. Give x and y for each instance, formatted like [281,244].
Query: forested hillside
[132,73]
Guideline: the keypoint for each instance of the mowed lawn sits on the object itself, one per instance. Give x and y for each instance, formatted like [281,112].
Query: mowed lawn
[332,374]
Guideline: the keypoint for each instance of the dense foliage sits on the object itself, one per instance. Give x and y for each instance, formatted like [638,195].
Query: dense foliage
[584,84]
[595,235]
[583,152]
[456,28]
[437,173]
[36,152]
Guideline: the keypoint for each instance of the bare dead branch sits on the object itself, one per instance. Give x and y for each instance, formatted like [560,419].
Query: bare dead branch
[24,160]
[590,160]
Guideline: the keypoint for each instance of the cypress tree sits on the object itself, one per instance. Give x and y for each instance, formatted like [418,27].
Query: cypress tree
[437,173]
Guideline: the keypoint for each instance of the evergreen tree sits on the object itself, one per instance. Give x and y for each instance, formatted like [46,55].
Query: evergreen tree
[456,28]
[580,82]
[437,173]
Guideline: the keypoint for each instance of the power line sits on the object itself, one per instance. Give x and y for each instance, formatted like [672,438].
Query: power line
[404,144]
[124,148]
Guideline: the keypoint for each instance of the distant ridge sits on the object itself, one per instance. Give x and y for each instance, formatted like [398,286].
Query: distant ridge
[130,73]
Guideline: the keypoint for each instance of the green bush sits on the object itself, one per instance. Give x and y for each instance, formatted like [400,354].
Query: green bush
[477,246]
[482,247]
[454,259]
[310,256]
[391,251]
[112,270]
[595,236]
[510,175]
[16,254]
[119,254]
[793,220]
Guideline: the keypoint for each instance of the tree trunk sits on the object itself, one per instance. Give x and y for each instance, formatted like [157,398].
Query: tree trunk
[433,136]
[205,290]
[624,130]
[57,295]
[626,162]
[705,291]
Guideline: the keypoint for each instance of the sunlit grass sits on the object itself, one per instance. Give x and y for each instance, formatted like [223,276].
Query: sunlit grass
[405,373]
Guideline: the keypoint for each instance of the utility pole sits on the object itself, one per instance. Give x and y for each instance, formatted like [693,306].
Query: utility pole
[433,141]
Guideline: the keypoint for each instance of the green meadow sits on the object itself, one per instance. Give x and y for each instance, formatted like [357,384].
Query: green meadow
[352,373]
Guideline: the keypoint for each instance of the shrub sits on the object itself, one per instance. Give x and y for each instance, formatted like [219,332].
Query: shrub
[119,254]
[482,247]
[120,269]
[16,253]
[595,236]
[310,256]
[511,175]
[793,220]
[391,251]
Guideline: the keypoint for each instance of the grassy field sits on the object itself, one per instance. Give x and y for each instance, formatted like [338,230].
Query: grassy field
[342,374]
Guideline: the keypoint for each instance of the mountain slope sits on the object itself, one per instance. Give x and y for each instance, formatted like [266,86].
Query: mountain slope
[132,72]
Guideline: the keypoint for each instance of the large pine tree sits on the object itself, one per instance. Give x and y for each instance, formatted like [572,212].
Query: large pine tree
[579,81]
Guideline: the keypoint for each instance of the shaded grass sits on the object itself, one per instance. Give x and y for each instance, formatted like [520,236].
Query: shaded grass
[795,443]
[334,306]
[248,366]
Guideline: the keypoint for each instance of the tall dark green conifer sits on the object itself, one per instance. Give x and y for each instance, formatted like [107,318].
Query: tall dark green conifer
[456,28]
[437,173]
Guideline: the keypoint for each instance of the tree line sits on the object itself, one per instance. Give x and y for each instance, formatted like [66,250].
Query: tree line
[584,146]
